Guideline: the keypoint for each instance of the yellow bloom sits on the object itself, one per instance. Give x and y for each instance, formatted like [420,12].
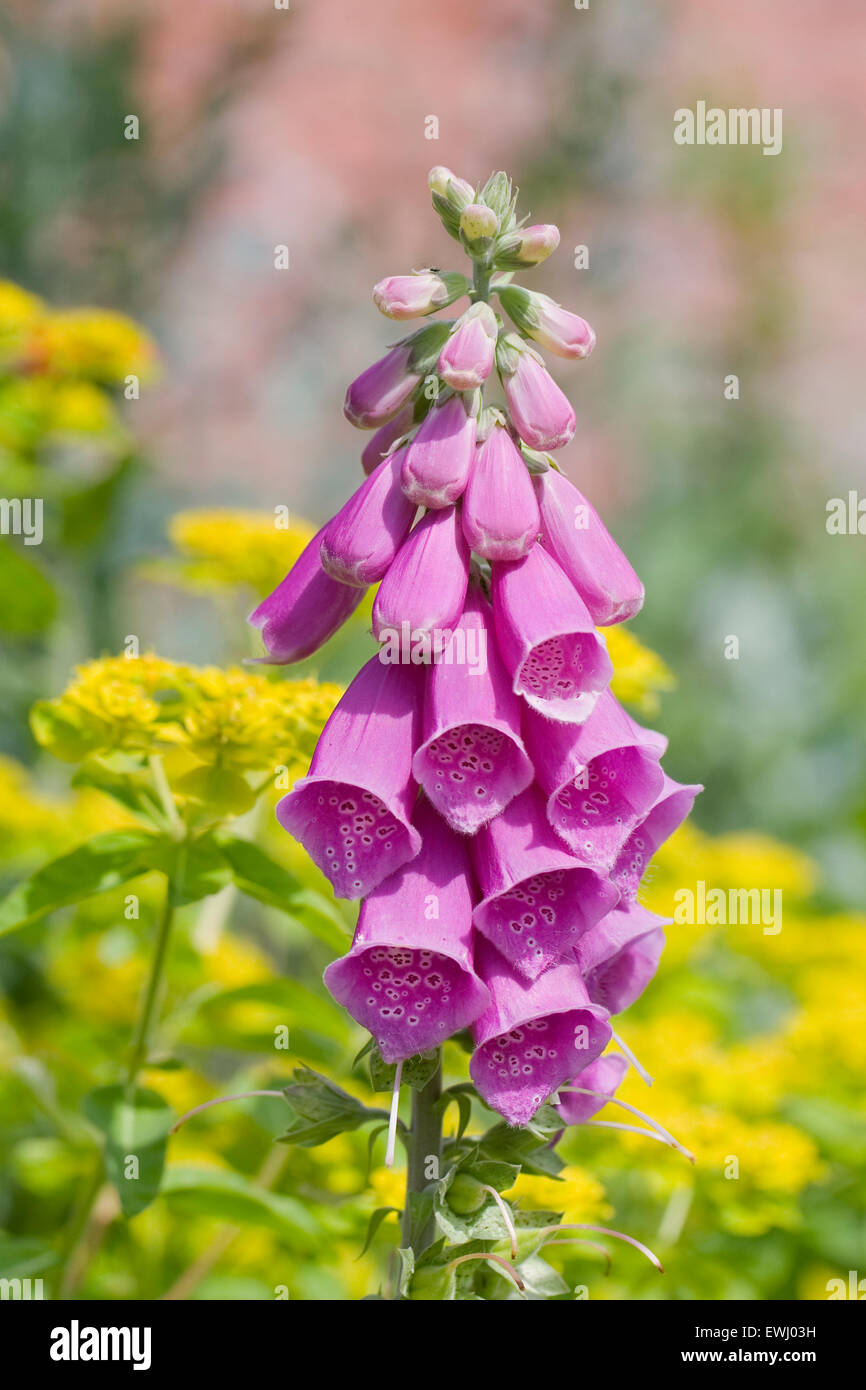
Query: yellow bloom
[579,1195]
[640,675]
[96,344]
[389,1187]
[225,548]
[234,720]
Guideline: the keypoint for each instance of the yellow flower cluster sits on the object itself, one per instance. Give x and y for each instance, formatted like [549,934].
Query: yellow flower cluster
[639,674]
[87,344]
[222,548]
[198,718]
[576,1193]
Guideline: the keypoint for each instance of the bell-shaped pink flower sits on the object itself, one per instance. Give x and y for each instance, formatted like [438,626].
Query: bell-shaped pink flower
[534,1036]
[466,360]
[538,900]
[602,1076]
[671,807]
[384,388]
[472,760]
[362,540]
[423,593]
[500,511]
[413,296]
[545,321]
[547,639]
[600,777]
[620,955]
[573,533]
[409,978]
[305,609]
[352,811]
[379,444]
[542,414]
[437,462]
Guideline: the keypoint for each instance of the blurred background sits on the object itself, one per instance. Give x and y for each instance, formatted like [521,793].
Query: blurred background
[305,127]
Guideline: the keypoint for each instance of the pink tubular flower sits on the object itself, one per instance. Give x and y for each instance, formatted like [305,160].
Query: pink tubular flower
[424,590]
[603,1076]
[533,1037]
[380,443]
[466,360]
[413,296]
[304,610]
[547,639]
[472,760]
[352,811]
[526,247]
[538,899]
[620,955]
[500,513]
[408,977]
[542,415]
[383,389]
[573,533]
[437,462]
[361,541]
[555,328]
[600,777]
[671,807]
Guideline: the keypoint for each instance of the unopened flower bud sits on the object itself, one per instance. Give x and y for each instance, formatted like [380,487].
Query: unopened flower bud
[412,296]
[478,223]
[555,328]
[466,360]
[526,247]
[450,195]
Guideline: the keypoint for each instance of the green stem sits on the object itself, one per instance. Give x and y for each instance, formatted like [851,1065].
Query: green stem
[425,1158]
[144,1026]
[481,281]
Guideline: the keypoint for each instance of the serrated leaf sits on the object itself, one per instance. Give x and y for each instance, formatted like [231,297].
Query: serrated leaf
[323,1110]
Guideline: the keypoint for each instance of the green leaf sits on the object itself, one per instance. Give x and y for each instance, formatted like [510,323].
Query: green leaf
[124,780]
[135,1123]
[407,1269]
[317,1027]
[219,789]
[522,1147]
[541,1280]
[28,601]
[86,511]
[100,864]
[486,1223]
[195,868]
[322,1109]
[374,1223]
[21,1257]
[231,1197]
[260,877]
